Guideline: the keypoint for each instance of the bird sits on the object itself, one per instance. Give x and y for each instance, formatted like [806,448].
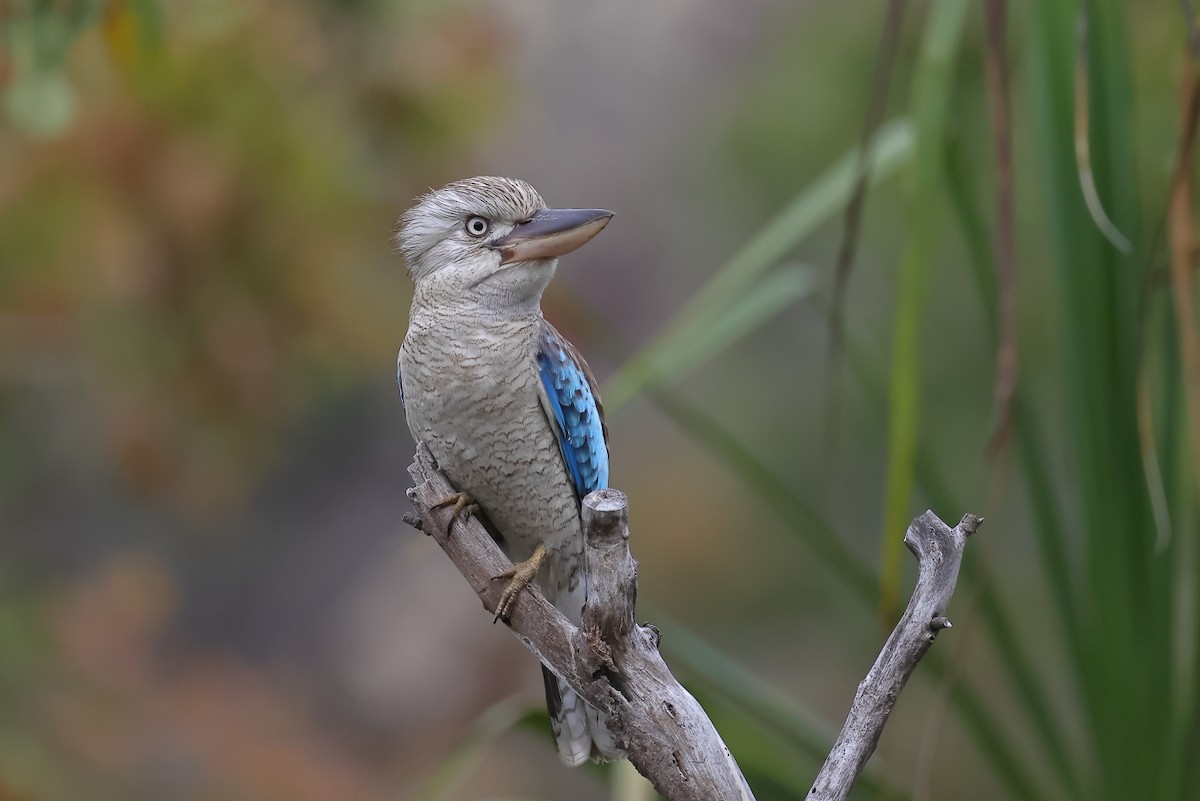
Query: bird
[505,403]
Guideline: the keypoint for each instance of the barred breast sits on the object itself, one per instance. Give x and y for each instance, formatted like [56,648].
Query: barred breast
[471,393]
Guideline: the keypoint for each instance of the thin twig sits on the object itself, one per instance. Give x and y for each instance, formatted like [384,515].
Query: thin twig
[939,551]
[1181,230]
[880,85]
[1003,252]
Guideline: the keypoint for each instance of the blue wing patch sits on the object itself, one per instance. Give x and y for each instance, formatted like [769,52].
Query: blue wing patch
[578,417]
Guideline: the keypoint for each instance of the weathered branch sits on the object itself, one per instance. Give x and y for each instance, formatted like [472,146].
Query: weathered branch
[615,665]
[939,551]
[610,660]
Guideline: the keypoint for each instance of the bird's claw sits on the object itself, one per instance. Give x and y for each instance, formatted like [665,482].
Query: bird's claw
[519,577]
[464,506]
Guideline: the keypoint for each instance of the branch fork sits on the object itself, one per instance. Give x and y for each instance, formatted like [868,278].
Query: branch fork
[614,663]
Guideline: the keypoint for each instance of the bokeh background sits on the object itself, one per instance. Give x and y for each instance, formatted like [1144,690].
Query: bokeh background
[206,589]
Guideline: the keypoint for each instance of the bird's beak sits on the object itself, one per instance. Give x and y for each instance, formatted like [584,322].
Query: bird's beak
[550,233]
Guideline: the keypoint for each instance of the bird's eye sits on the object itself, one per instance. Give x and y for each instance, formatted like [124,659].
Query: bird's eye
[477,226]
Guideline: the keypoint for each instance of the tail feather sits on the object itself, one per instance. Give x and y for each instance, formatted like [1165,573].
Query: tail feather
[579,729]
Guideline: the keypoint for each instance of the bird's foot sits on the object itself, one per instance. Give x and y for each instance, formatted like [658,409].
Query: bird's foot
[464,506]
[519,577]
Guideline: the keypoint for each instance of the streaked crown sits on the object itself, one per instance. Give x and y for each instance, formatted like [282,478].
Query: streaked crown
[442,211]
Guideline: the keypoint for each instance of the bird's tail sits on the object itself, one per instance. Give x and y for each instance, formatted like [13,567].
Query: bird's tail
[579,729]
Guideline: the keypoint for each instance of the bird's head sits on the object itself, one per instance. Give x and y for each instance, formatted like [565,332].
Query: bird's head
[491,239]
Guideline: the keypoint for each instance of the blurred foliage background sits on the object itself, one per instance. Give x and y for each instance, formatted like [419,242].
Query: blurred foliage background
[206,591]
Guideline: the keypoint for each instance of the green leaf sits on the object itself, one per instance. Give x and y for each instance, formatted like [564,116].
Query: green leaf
[800,517]
[931,101]
[984,727]
[1041,488]
[777,292]
[814,205]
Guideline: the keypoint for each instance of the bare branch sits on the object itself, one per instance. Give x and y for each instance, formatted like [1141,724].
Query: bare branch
[615,665]
[611,661]
[939,551]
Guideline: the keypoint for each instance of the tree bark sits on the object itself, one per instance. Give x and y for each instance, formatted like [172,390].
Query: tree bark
[610,660]
[939,551]
[615,665]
